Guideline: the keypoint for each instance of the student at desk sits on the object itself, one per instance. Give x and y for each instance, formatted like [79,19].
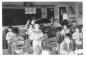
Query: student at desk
[67,45]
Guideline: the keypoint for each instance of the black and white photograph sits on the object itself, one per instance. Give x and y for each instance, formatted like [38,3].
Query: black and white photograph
[42,28]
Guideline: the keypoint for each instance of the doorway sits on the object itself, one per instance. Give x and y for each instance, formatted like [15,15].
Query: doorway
[61,10]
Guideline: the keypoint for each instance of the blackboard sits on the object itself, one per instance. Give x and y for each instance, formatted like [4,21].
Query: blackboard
[13,16]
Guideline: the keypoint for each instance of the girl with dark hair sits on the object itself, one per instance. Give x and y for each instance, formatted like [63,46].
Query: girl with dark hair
[65,30]
[9,37]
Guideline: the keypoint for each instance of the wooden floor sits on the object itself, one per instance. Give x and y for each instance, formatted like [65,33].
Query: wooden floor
[5,52]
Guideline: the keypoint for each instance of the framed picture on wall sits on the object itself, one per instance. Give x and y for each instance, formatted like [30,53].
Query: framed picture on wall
[72,10]
[80,10]
[30,10]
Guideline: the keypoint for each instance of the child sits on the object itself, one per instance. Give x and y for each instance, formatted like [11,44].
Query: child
[37,39]
[9,37]
[57,24]
[77,39]
[20,45]
[65,30]
[67,45]
[29,33]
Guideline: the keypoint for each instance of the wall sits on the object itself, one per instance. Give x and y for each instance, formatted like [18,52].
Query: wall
[80,13]
[56,8]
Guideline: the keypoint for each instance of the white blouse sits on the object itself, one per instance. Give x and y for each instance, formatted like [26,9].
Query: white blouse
[65,16]
[63,32]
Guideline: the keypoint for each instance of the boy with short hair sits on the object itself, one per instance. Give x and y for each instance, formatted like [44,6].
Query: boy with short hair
[67,45]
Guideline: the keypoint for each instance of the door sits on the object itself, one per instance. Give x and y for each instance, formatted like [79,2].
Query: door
[61,10]
[50,12]
[38,13]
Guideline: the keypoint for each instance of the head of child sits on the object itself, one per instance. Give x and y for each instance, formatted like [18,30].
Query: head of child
[58,33]
[10,29]
[67,38]
[33,22]
[16,31]
[31,26]
[65,27]
[36,26]
[77,30]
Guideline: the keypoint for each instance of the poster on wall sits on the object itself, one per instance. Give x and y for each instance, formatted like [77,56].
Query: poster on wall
[30,10]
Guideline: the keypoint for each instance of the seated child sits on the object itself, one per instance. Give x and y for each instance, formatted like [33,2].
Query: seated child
[65,30]
[9,37]
[77,38]
[67,45]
